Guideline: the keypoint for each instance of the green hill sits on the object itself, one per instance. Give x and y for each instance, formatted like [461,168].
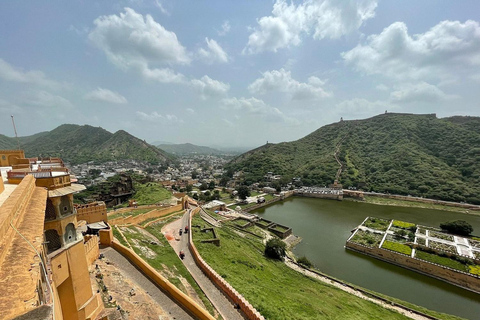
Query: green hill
[79,144]
[419,155]
[188,148]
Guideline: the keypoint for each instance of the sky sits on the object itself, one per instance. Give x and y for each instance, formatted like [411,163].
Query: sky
[233,73]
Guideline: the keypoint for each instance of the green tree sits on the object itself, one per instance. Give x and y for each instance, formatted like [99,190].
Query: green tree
[275,249]
[460,227]
[211,185]
[243,192]
[189,188]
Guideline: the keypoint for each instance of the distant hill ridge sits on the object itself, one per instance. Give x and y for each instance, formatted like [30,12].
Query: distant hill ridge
[79,144]
[188,148]
[419,155]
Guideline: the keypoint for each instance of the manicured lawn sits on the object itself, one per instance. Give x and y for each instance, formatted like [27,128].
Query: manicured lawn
[277,291]
[376,223]
[397,247]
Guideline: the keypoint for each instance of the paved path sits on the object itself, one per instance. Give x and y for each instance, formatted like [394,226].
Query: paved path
[129,270]
[218,299]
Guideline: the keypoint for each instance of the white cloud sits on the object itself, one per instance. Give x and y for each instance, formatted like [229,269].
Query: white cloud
[48,100]
[162,8]
[207,87]
[10,73]
[214,53]
[162,75]
[131,39]
[420,92]
[281,80]
[254,106]
[105,95]
[225,28]
[322,18]
[441,53]
[158,118]
[190,110]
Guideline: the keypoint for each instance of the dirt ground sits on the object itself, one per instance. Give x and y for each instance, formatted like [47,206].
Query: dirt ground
[133,301]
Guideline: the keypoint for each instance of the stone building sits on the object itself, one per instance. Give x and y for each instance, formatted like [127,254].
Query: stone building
[43,261]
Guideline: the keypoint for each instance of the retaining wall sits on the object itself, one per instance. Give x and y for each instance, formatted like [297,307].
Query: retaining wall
[458,278]
[223,285]
[163,283]
[266,203]
[156,213]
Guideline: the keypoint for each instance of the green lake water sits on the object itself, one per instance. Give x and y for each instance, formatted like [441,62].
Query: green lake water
[325,226]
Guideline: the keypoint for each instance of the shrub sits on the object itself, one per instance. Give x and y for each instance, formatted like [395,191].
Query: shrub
[275,249]
[397,247]
[474,269]
[304,262]
[404,225]
[460,227]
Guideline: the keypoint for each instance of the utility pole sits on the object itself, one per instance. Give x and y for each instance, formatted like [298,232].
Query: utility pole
[15,129]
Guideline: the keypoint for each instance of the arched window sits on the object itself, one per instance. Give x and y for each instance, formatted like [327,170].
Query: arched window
[53,240]
[50,211]
[70,233]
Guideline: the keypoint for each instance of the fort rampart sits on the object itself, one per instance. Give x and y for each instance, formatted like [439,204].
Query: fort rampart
[92,250]
[455,277]
[92,212]
[250,312]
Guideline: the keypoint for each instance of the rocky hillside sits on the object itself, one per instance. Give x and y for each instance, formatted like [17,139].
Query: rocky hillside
[419,155]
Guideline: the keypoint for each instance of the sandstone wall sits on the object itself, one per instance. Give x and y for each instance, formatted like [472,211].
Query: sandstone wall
[91,248]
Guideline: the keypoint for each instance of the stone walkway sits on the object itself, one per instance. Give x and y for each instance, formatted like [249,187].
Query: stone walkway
[129,270]
[218,299]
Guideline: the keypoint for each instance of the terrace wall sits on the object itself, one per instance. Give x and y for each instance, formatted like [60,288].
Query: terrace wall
[458,278]
[156,213]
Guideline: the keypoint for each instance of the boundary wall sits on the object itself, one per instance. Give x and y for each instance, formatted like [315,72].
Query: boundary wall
[228,290]
[156,213]
[163,283]
[455,277]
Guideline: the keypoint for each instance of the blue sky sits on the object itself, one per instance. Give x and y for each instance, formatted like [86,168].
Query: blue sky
[233,73]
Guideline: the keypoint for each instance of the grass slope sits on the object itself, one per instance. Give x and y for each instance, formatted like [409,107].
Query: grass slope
[275,290]
[419,155]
